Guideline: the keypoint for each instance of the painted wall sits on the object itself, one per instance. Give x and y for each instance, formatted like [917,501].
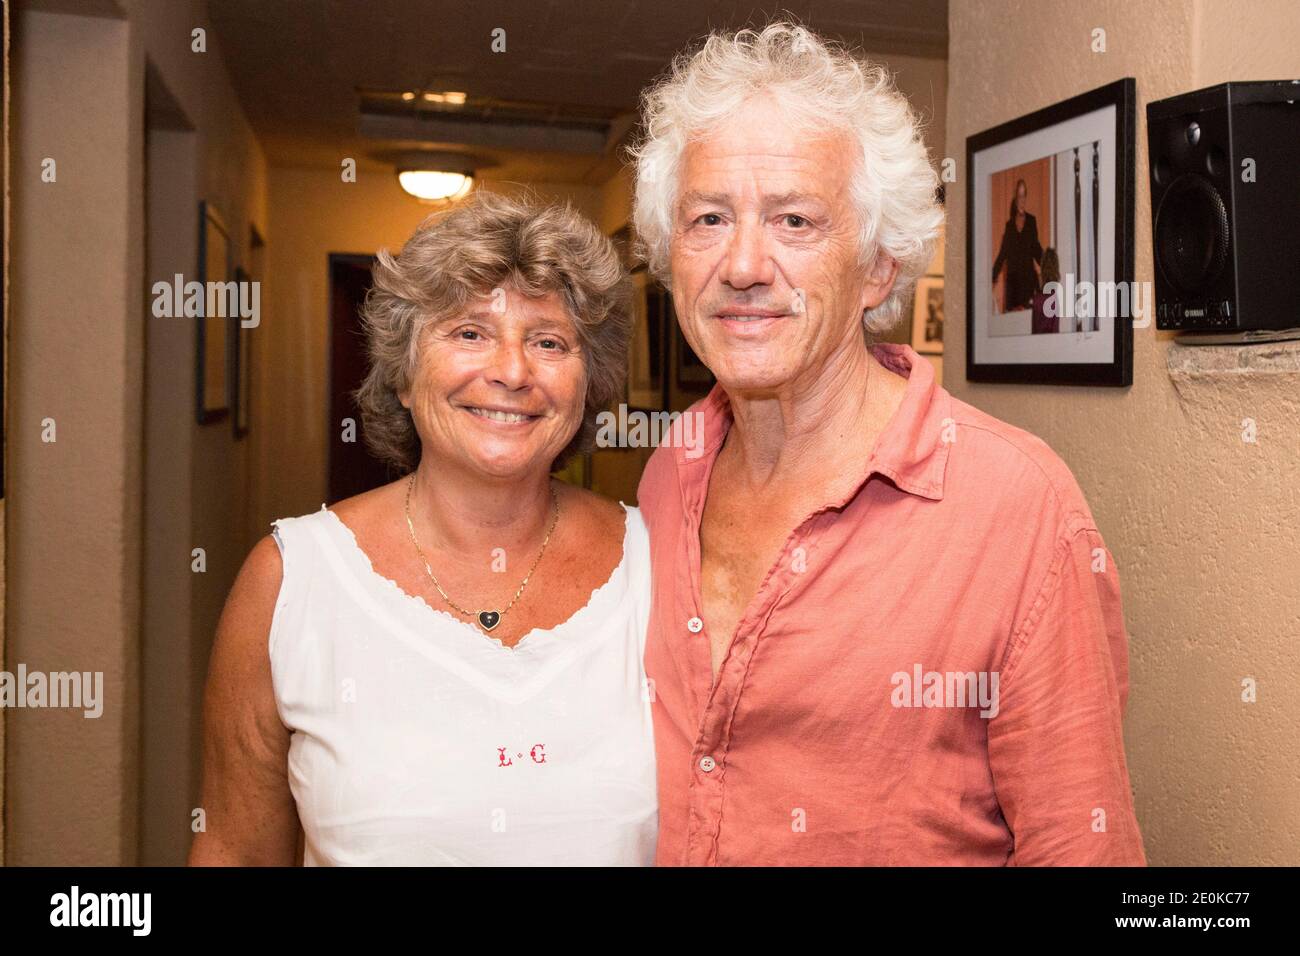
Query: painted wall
[122,789]
[1205,527]
[73,531]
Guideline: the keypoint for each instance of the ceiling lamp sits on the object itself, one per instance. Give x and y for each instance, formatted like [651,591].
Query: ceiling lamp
[432,185]
[436,177]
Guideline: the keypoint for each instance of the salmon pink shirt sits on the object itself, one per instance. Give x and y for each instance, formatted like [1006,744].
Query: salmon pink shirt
[933,671]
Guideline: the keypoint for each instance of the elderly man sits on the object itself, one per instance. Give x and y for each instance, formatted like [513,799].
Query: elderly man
[885,628]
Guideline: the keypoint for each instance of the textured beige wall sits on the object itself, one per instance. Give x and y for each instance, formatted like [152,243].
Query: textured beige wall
[116,790]
[1204,526]
[76,357]
[314,213]
[196,475]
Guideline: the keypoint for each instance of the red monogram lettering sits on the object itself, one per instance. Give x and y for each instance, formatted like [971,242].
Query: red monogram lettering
[537,753]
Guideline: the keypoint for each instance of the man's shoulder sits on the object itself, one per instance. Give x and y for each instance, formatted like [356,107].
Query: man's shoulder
[1004,457]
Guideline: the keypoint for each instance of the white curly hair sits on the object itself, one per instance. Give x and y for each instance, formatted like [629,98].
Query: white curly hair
[819,85]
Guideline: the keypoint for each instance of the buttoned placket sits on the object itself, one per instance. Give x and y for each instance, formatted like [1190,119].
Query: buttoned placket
[719,698]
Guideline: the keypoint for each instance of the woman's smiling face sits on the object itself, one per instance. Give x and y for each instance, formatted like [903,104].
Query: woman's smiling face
[499,389]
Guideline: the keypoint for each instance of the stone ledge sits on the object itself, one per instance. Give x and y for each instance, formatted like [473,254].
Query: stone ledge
[1260,358]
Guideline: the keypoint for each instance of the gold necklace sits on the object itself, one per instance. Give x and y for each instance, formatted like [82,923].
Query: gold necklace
[486,619]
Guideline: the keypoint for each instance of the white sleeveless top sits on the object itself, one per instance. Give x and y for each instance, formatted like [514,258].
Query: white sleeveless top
[419,740]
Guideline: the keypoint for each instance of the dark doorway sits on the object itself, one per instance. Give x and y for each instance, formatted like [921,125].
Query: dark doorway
[352,468]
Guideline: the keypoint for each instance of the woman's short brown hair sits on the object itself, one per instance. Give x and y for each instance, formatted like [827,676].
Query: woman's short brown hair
[486,242]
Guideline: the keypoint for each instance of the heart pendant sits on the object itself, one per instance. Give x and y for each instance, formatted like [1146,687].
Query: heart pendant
[489,619]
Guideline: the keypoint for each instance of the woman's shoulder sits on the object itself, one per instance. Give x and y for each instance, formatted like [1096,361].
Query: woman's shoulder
[598,514]
[588,503]
[358,511]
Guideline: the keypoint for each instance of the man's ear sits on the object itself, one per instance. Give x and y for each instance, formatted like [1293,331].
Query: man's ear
[880,280]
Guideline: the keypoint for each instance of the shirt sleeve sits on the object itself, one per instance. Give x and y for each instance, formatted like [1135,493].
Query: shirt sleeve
[1056,743]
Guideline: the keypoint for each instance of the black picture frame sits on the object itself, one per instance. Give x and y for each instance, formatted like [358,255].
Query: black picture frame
[239,350]
[211,399]
[1118,371]
[651,317]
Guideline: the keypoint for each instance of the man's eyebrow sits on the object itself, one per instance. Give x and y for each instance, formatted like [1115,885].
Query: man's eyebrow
[788,198]
[694,196]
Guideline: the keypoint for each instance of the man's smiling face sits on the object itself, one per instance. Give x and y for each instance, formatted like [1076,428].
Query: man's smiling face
[764,251]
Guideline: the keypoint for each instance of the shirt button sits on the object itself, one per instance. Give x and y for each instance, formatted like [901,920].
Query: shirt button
[695,625]
[707,764]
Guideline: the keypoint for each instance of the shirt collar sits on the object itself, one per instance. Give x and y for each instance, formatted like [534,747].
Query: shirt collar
[912,451]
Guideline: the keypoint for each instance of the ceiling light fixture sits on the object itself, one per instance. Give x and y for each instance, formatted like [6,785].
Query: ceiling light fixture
[431,185]
[436,177]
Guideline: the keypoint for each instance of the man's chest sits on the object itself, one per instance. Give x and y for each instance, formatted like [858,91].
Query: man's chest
[738,548]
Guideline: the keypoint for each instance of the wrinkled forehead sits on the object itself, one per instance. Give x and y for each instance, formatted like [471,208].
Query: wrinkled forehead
[742,156]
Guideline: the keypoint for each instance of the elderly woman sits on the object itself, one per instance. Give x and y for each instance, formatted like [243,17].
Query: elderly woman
[447,669]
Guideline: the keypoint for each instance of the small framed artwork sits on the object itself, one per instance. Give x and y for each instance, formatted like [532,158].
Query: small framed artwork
[241,372]
[1049,240]
[645,374]
[212,362]
[927,316]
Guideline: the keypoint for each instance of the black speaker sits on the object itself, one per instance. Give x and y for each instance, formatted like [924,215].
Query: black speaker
[1225,207]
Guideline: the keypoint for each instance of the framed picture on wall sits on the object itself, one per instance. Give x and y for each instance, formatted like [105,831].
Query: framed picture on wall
[211,359]
[241,370]
[1049,240]
[646,365]
[927,316]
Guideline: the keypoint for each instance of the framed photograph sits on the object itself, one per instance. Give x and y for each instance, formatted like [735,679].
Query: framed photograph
[927,316]
[241,372]
[646,365]
[212,341]
[1049,240]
